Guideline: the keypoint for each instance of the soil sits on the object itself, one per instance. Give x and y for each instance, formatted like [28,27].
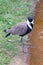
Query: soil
[36,51]
[21,57]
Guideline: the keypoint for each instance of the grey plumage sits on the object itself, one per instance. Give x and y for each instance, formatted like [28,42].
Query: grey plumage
[21,28]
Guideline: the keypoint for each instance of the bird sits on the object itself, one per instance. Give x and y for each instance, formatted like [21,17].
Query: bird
[21,29]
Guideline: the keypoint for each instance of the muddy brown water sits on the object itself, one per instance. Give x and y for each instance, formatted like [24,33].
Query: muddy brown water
[36,51]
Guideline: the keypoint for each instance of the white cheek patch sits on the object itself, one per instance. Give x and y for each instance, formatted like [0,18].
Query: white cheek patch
[32,22]
[28,23]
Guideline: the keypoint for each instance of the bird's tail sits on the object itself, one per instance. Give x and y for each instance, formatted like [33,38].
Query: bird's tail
[4,30]
[8,34]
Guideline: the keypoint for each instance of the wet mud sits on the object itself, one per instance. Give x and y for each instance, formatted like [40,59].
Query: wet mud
[36,51]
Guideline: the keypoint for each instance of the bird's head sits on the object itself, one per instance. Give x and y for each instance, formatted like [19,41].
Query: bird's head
[31,20]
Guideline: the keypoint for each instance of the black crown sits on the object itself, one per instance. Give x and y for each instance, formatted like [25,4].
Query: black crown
[30,19]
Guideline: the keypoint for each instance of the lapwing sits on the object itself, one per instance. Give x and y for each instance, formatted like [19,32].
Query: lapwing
[21,29]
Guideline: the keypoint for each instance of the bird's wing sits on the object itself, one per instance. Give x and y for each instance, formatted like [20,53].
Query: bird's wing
[19,29]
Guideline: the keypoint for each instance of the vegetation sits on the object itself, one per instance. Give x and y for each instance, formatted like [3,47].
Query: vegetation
[11,12]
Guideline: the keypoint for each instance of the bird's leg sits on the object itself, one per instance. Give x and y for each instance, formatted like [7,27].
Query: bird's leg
[22,41]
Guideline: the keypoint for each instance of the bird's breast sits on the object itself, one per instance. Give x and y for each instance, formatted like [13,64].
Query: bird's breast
[28,31]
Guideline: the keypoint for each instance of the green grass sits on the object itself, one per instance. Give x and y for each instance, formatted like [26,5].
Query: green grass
[11,12]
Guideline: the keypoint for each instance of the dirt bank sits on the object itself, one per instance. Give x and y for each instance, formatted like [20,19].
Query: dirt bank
[36,51]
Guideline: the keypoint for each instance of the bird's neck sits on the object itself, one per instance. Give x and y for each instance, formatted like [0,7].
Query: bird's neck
[29,24]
